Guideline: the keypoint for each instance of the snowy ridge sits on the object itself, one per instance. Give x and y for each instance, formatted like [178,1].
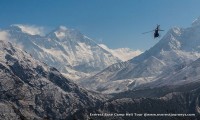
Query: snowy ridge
[123,54]
[71,52]
[186,75]
[177,49]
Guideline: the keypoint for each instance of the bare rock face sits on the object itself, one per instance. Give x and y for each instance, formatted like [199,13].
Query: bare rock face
[174,103]
[31,90]
[8,112]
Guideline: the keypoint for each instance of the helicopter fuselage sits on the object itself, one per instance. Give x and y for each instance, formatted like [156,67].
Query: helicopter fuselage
[156,31]
[156,34]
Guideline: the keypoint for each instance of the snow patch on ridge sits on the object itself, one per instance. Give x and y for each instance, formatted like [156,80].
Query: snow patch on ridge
[123,54]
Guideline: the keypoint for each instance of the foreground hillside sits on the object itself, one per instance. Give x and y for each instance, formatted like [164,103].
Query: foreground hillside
[32,90]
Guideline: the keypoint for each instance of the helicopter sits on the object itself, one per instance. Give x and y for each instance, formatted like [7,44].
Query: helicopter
[156,31]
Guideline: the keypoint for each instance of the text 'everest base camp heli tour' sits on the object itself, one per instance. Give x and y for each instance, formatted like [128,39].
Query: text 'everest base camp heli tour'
[66,75]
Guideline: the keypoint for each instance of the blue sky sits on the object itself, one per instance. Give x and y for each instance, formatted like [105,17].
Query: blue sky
[116,23]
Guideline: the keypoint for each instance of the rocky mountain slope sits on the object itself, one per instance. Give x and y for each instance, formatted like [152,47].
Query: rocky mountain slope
[174,98]
[31,90]
[173,106]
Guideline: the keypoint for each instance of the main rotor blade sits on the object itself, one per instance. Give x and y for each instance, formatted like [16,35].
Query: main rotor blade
[148,32]
[161,30]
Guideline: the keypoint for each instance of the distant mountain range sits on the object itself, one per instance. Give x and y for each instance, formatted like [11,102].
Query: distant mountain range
[71,52]
[175,52]
[161,81]
[32,90]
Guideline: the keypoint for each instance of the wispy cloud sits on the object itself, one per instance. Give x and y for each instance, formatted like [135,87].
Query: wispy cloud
[31,29]
[4,35]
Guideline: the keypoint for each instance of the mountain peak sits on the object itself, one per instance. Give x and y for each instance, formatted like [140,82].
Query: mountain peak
[177,30]
[15,28]
[63,32]
[64,28]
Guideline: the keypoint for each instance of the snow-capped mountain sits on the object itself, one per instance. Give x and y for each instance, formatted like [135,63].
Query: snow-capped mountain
[123,54]
[186,75]
[177,49]
[71,52]
[32,90]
